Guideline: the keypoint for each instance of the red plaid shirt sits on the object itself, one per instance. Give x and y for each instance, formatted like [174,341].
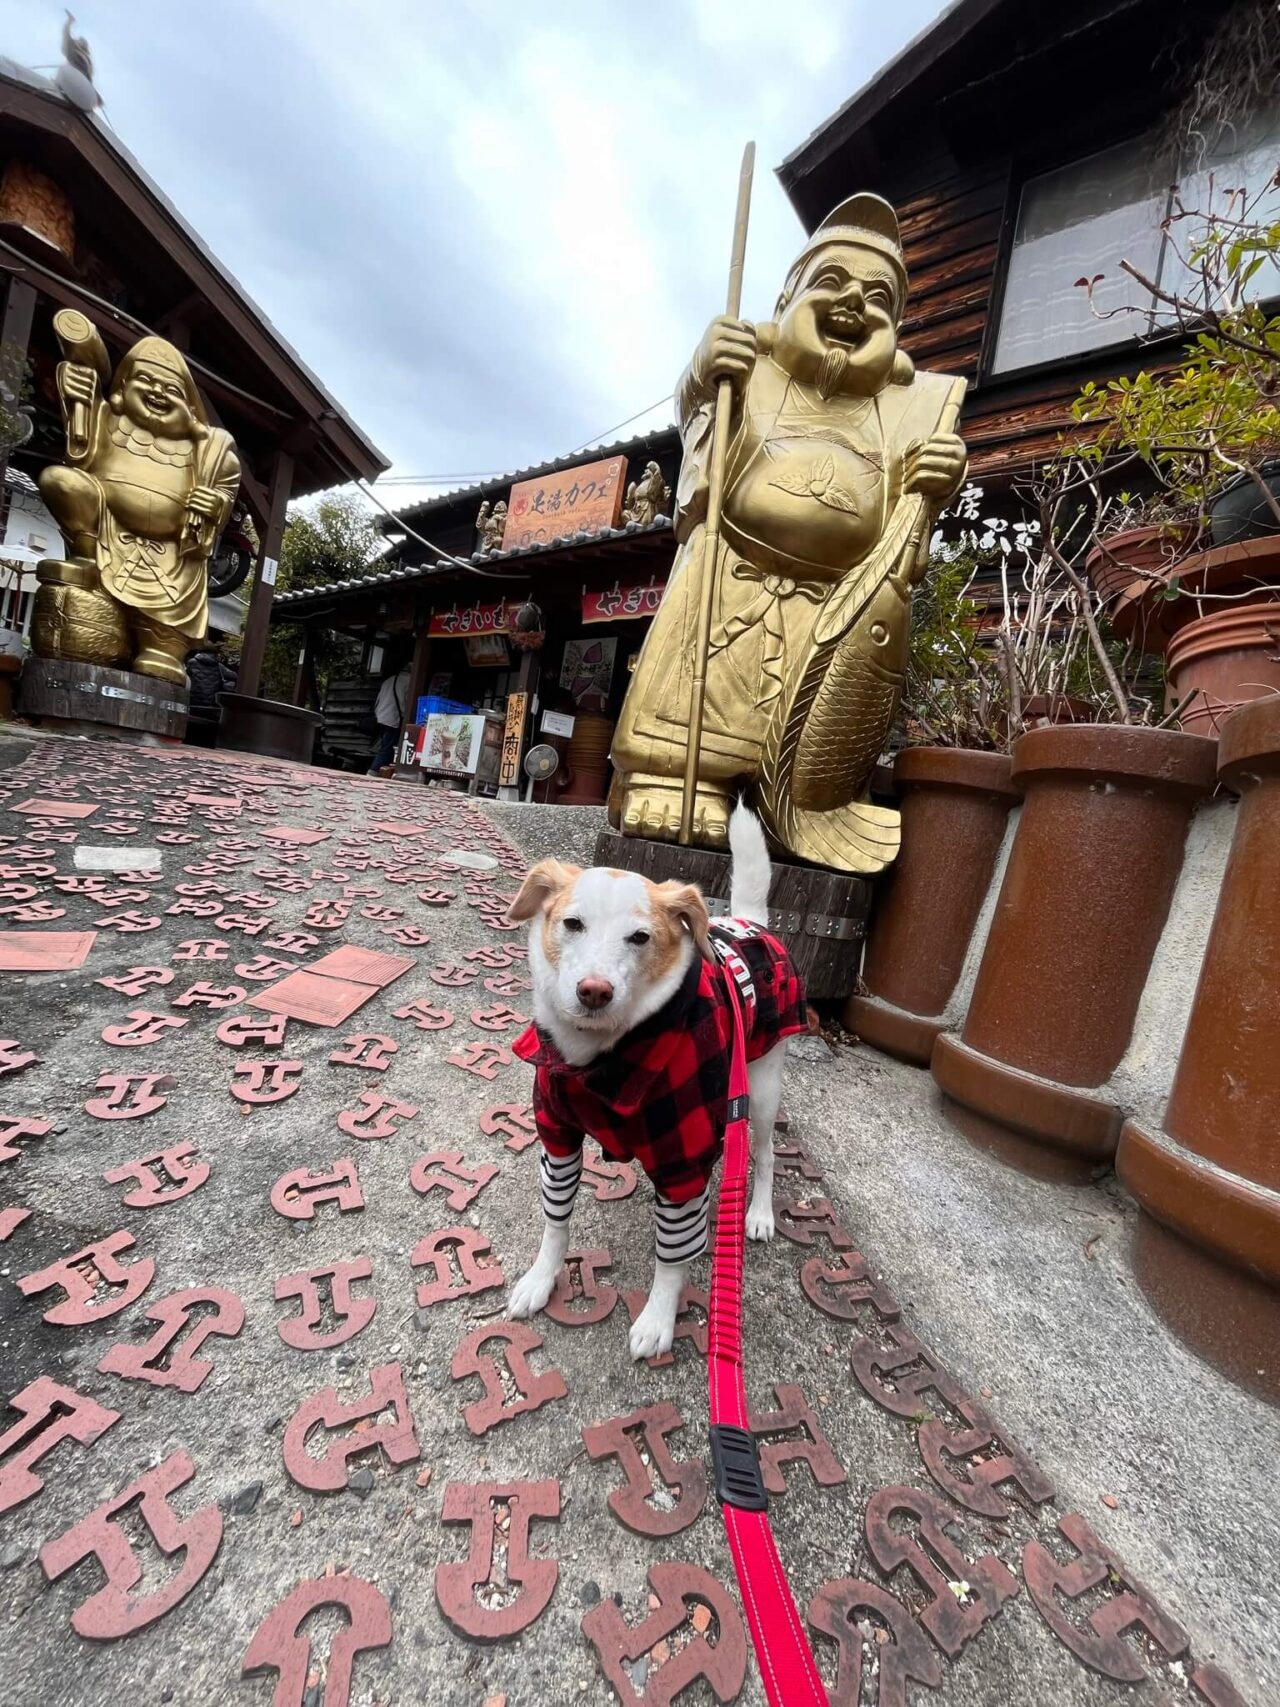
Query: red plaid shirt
[661,1097]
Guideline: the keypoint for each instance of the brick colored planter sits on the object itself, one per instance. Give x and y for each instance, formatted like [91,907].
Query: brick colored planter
[954,807]
[1213,1172]
[1085,896]
[1231,657]
[1128,560]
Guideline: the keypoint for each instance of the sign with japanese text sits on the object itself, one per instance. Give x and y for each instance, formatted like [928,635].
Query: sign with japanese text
[461,620]
[619,603]
[588,497]
[512,739]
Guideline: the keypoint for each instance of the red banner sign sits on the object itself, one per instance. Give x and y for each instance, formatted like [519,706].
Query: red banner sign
[462,620]
[622,603]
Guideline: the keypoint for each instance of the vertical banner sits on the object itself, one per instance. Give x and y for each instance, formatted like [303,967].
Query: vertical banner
[512,739]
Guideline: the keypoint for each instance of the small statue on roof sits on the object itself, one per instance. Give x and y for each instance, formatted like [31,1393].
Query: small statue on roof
[647,498]
[491,524]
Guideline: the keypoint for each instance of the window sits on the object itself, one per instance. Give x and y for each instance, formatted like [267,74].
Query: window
[1086,218]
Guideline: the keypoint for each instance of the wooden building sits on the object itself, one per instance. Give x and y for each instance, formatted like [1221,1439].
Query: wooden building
[594,577]
[83,226]
[1026,144]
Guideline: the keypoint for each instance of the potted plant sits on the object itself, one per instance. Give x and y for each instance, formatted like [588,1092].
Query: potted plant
[1092,866]
[1207,432]
[951,781]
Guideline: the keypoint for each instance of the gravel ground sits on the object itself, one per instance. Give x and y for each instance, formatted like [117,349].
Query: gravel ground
[982,1263]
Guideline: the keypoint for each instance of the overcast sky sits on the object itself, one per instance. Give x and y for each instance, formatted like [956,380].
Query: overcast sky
[494,229]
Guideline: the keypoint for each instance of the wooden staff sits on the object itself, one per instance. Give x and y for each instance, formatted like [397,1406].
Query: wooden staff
[715,496]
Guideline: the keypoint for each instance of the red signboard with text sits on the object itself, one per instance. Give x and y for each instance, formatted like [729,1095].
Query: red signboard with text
[461,620]
[620,602]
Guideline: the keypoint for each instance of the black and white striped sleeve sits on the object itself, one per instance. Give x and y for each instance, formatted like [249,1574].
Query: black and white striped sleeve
[560,1176]
[680,1228]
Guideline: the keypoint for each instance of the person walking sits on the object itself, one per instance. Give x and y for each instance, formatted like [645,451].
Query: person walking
[388,712]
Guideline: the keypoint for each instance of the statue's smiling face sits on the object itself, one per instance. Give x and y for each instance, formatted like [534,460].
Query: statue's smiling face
[155,398]
[839,329]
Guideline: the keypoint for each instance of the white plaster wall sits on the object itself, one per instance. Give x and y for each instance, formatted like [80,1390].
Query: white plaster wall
[958,1005]
[1140,1084]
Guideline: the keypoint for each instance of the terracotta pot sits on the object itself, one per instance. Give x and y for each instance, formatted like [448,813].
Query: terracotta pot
[1231,657]
[1249,572]
[1043,708]
[588,760]
[1213,1172]
[954,806]
[1084,899]
[1132,558]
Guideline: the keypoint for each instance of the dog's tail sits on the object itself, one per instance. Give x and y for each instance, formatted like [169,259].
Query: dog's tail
[751,874]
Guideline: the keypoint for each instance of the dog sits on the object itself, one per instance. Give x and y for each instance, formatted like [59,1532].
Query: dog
[631,1039]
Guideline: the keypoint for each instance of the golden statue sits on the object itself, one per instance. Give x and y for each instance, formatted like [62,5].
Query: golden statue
[146,489]
[491,524]
[647,498]
[838,456]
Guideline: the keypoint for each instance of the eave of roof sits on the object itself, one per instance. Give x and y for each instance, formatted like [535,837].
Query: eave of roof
[90,129]
[890,81]
[487,488]
[288,602]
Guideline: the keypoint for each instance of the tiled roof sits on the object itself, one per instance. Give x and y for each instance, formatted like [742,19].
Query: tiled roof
[483,559]
[500,482]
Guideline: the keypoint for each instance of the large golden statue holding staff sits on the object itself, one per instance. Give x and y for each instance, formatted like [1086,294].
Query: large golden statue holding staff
[146,488]
[816,459]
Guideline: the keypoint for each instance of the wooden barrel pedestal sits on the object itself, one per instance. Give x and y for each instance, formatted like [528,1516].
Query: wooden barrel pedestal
[820,915]
[94,699]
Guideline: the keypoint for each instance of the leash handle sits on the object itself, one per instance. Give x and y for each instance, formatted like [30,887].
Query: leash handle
[786,1662]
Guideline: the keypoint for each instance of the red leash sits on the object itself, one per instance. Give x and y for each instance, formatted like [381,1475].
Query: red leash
[782,1650]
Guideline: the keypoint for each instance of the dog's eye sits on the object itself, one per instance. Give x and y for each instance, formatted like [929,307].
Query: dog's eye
[638,938]
[574,925]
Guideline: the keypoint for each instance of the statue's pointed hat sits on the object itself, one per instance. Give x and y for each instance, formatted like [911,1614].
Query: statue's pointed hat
[869,220]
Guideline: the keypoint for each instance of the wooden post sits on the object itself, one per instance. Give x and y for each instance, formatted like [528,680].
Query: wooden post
[15,336]
[419,670]
[264,584]
[300,674]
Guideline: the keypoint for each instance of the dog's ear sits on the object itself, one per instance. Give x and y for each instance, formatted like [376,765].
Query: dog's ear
[546,879]
[683,901]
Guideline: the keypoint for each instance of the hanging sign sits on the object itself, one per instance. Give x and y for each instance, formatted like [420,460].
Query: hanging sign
[461,620]
[585,498]
[621,602]
[512,738]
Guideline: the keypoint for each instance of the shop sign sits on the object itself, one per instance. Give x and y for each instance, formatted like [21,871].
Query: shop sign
[585,498]
[461,620]
[512,739]
[622,603]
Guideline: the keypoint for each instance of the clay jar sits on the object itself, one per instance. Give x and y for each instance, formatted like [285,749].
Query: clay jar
[1133,558]
[1213,1172]
[955,803]
[1231,657]
[1085,896]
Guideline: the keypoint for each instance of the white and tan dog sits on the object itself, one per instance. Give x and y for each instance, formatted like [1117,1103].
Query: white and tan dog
[612,958]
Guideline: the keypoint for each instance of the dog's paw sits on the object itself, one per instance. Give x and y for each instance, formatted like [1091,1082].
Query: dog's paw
[530,1293]
[652,1332]
[760,1221]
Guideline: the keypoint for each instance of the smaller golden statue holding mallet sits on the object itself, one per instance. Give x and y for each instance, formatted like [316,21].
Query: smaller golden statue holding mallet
[145,491]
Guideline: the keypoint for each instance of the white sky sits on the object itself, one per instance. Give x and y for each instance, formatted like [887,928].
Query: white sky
[494,230]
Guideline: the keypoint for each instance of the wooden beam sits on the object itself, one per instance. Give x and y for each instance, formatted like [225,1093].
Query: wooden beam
[264,582]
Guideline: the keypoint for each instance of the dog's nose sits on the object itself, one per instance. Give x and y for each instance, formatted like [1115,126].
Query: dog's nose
[595,992]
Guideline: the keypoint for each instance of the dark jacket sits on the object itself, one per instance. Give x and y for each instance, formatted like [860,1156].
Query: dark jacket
[208,677]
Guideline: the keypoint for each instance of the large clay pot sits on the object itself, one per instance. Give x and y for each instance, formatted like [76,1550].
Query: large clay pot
[1133,558]
[1213,1172]
[1230,657]
[1248,572]
[267,726]
[954,806]
[1085,896]
[588,760]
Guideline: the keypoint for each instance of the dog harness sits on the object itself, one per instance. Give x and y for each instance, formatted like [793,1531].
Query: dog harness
[661,1096]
